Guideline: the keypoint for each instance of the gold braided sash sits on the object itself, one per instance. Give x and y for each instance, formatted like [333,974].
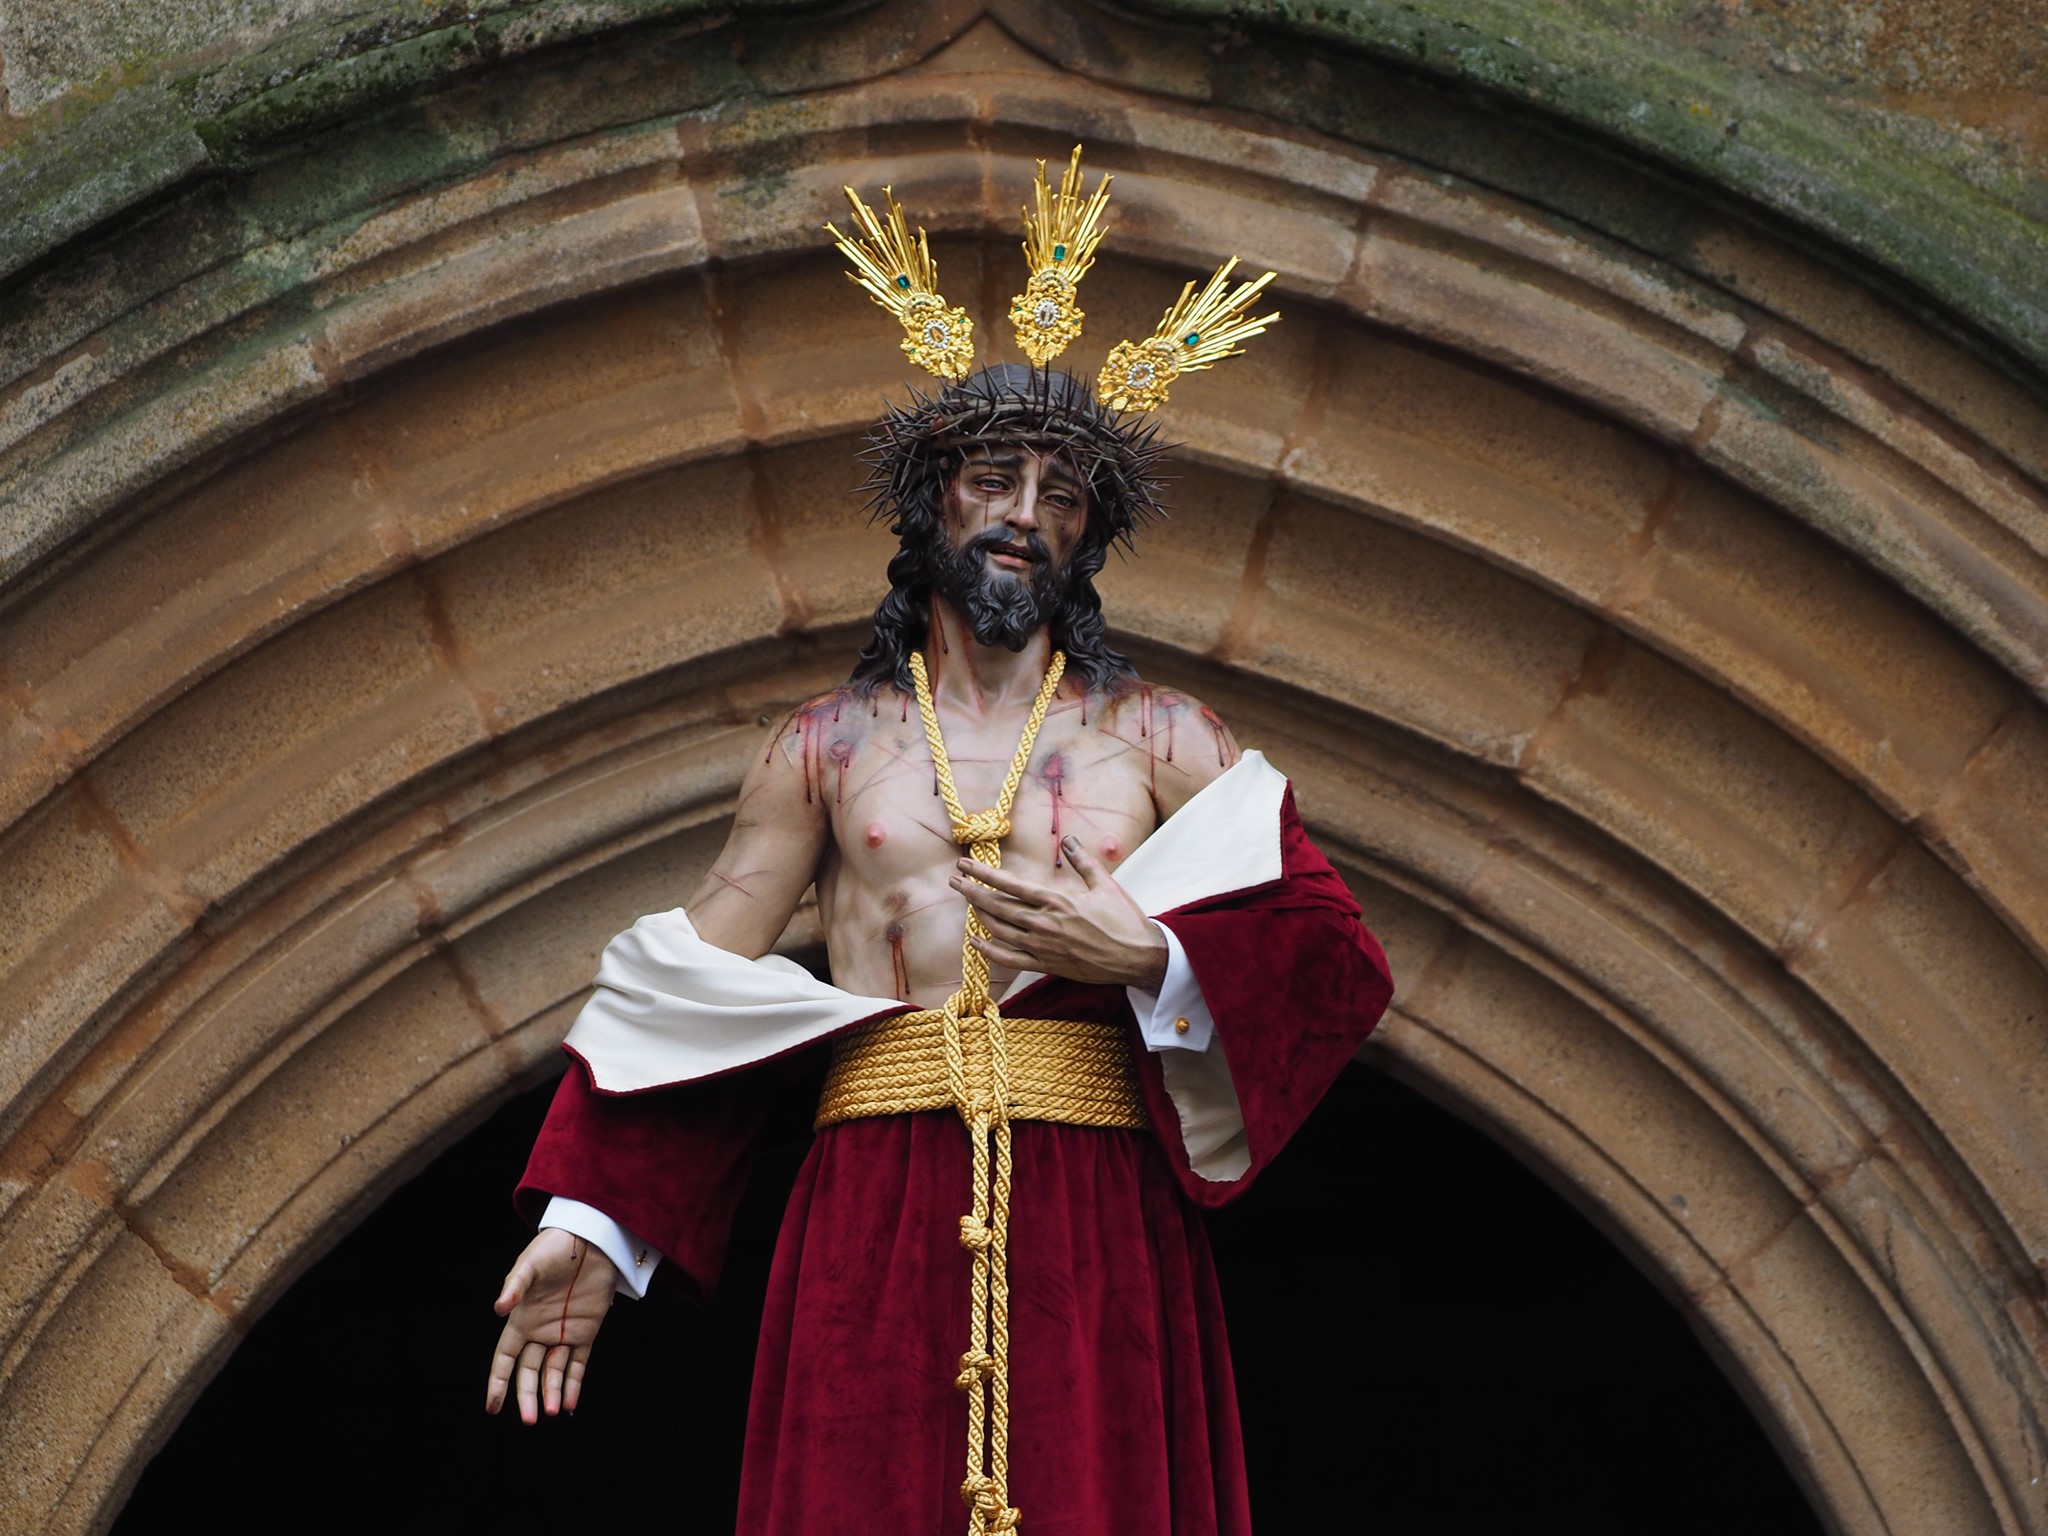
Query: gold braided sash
[1072,1072]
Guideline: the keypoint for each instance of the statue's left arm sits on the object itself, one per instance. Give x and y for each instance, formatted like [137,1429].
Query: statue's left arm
[1274,981]
[1294,983]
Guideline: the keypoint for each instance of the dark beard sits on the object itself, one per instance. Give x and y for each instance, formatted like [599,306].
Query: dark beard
[1000,608]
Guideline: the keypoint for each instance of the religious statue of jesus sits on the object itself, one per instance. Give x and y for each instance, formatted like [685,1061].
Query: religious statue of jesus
[1089,975]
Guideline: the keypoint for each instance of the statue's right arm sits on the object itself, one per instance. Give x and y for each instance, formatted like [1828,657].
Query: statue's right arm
[558,1290]
[779,835]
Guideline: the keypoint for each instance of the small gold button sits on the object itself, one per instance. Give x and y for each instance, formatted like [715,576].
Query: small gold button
[1180,1026]
[640,1259]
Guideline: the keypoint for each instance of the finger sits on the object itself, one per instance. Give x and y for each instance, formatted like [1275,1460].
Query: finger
[502,1360]
[556,1363]
[1082,862]
[1007,958]
[982,896]
[1018,935]
[1027,891]
[579,1362]
[517,1279]
[1027,931]
[527,1380]
[1012,946]
[993,904]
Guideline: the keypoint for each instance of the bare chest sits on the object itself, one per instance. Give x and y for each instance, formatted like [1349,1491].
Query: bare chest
[890,823]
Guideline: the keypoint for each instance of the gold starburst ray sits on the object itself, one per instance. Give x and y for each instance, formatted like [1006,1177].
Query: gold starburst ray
[1061,231]
[1197,332]
[900,275]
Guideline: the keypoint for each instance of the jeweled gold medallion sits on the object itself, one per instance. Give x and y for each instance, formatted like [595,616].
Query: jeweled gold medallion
[1061,231]
[1198,331]
[900,275]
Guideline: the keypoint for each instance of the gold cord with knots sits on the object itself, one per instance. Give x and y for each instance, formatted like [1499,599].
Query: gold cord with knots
[1065,1071]
[985,1230]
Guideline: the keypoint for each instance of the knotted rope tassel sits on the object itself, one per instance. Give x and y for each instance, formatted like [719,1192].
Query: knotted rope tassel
[985,1230]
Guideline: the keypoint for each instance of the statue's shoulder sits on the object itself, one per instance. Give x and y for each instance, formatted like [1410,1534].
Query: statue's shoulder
[1186,741]
[1132,703]
[837,721]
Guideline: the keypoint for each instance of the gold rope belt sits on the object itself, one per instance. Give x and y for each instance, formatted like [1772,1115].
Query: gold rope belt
[1072,1072]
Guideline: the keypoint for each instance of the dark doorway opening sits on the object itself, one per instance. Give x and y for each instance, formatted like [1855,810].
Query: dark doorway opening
[1428,1340]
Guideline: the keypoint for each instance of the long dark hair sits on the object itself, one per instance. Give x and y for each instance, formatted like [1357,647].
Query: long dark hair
[914,452]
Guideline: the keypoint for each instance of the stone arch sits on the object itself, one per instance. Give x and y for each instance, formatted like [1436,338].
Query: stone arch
[395,590]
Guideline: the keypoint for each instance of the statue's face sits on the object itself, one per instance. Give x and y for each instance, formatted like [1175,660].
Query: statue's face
[1013,518]
[1016,508]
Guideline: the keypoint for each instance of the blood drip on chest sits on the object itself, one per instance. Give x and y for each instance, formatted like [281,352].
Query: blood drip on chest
[841,753]
[899,968]
[1216,727]
[1054,776]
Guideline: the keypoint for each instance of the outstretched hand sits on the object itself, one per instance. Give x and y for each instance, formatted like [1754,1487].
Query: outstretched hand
[1096,934]
[553,1301]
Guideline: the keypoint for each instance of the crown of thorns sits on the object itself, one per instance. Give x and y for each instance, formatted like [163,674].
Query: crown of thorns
[1008,403]
[1062,230]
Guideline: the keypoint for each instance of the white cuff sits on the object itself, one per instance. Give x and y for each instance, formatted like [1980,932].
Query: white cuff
[1175,1018]
[635,1260]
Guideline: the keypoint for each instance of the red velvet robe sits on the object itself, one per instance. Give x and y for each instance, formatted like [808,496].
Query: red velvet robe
[1123,1416]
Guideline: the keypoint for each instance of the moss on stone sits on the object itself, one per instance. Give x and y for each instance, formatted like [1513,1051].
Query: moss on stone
[1812,161]
[154,122]
[1591,86]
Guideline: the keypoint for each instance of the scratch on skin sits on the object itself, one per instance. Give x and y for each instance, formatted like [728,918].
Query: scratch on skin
[895,763]
[582,1252]
[943,831]
[728,881]
[899,904]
